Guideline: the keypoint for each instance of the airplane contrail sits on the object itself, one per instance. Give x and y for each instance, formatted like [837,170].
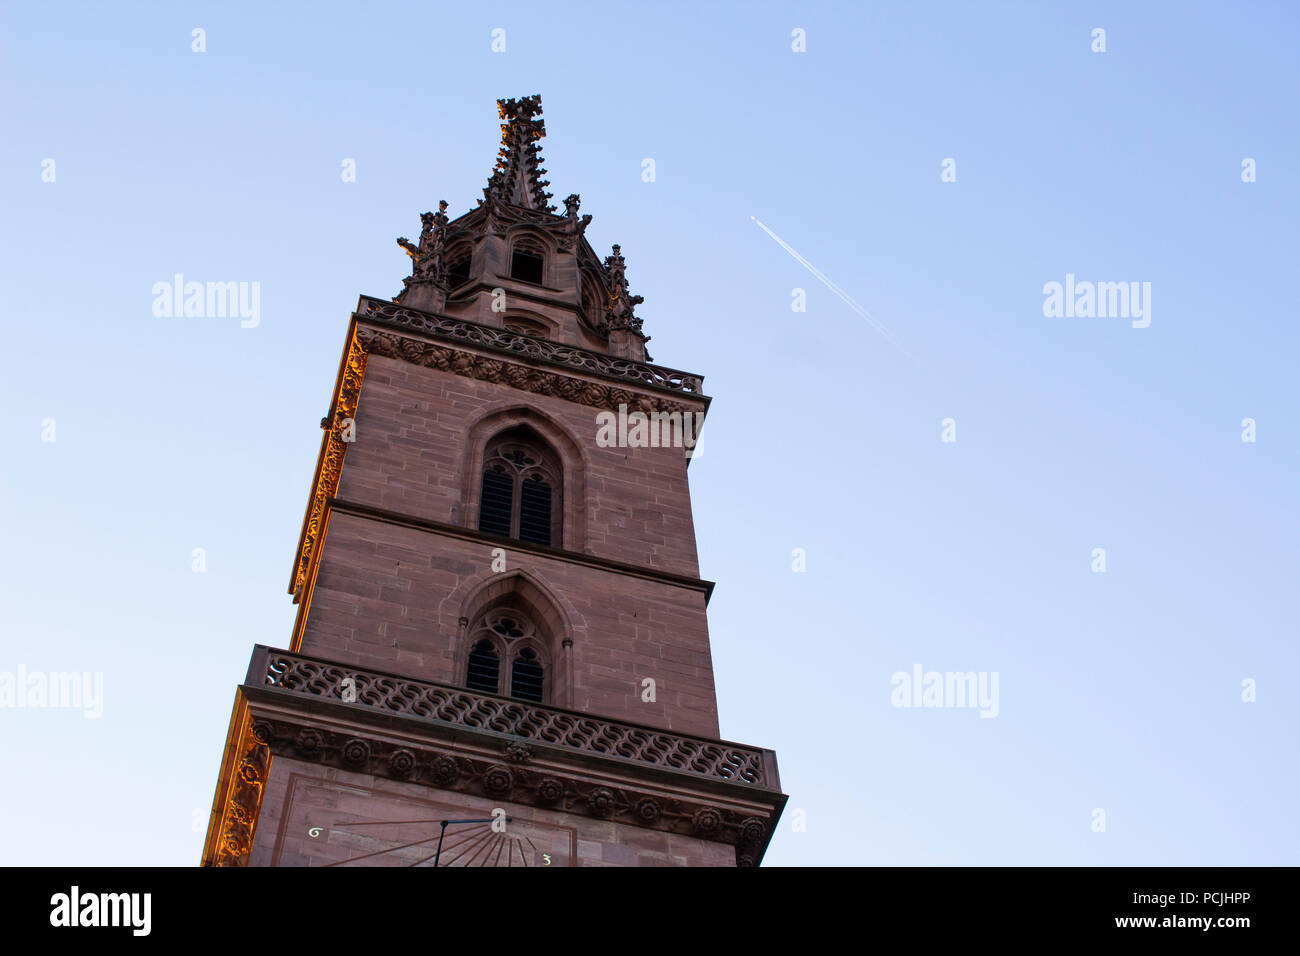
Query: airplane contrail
[826,281]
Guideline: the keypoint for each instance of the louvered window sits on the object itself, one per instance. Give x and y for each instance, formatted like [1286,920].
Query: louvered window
[526,676]
[458,273]
[510,636]
[521,490]
[484,668]
[535,510]
[497,503]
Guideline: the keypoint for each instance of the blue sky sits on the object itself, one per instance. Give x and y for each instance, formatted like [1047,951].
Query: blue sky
[1119,690]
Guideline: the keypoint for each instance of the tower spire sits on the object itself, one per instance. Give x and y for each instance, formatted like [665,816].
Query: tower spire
[461,422]
[517,176]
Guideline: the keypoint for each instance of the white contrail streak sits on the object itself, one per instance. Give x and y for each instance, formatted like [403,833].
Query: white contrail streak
[825,280]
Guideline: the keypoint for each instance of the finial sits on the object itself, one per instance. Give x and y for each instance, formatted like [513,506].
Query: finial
[517,176]
[522,109]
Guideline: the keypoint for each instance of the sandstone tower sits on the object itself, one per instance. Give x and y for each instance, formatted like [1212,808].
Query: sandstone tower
[501,653]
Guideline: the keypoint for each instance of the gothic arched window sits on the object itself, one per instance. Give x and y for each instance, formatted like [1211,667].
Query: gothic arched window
[526,326]
[521,489]
[526,675]
[509,635]
[458,262]
[527,261]
[484,667]
[594,305]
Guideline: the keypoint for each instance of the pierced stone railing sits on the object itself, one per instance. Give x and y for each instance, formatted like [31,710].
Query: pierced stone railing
[530,346]
[587,733]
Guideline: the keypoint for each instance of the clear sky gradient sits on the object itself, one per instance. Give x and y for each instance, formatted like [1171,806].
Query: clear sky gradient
[1119,691]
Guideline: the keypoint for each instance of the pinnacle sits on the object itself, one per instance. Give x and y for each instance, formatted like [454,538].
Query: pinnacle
[516,179]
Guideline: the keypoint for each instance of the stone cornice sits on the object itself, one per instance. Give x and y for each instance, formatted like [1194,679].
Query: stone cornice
[342,506]
[706,759]
[543,353]
[238,800]
[522,375]
[411,731]
[329,465]
[510,775]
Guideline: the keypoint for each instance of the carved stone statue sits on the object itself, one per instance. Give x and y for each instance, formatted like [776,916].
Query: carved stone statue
[426,286]
[621,305]
[573,227]
[427,257]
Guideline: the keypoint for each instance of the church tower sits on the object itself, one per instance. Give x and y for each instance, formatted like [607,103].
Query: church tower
[501,652]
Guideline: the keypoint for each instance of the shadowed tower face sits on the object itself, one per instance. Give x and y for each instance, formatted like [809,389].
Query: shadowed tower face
[501,622]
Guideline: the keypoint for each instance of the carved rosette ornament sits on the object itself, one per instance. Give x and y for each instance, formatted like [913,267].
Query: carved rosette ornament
[648,811]
[707,822]
[444,770]
[498,781]
[355,753]
[309,742]
[602,802]
[402,762]
[752,830]
[550,790]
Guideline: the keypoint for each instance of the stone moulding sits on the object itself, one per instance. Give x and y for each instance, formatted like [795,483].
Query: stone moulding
[330,466]
[536,723]
[522,377]
[235,812]
[296,708]
[531,347]
[446,766]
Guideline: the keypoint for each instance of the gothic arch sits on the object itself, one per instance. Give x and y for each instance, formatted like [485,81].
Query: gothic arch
[526,230]
[594,300]
[459,260]
[532,323]
[525,238]
[573,464]
[481,599]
